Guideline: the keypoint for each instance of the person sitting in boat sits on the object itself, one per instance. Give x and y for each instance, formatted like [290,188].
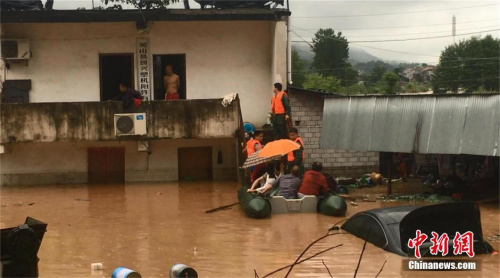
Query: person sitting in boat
[313,183]
[266,181]
[288,185]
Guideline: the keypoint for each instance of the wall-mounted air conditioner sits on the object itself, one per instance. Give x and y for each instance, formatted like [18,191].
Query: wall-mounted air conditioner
[130,124]
[16,49]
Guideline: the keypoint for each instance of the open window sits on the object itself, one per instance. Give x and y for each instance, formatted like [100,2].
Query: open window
[114,69]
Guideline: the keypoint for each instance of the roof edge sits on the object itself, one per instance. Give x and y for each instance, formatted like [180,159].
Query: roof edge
[85,16]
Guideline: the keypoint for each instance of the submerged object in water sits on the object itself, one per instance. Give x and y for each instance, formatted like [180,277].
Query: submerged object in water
[253,205]
[332,205]
[19,246]
[182,271]
[122,272]
[391,228]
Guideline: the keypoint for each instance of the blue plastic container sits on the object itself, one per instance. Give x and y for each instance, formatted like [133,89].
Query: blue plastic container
[122,272]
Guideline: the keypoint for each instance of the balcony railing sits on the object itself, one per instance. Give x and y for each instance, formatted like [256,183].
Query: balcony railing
[94,121]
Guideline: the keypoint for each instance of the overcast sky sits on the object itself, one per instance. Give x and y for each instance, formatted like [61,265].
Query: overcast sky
[361,20]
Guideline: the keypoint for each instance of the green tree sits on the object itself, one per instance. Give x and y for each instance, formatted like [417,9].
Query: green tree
[143,4]
[331,52]
[377,74]
[391,81]
[470,64]
[355,89]
[318,81]
[299,70]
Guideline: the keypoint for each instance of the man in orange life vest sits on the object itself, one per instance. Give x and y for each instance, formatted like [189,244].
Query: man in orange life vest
[280,112]
[254,144]
[296,157]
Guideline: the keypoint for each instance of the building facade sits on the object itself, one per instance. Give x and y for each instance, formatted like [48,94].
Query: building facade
[79,57]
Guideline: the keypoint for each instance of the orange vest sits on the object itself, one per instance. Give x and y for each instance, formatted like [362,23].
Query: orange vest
[251,146]
[277,105]
[291,157]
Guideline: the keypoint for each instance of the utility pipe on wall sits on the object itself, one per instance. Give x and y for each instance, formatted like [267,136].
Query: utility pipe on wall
[288,51]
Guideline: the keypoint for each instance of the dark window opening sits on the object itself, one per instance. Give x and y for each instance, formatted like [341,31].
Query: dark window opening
[178,63]
[114,69]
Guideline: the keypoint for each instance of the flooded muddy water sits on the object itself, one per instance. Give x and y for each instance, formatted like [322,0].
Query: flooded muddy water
[150,227]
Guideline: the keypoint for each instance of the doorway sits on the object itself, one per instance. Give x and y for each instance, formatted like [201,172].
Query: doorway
[178,63]
[195,163]
[106,165]
[114,69]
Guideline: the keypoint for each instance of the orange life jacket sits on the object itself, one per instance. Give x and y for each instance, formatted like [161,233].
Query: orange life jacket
[251,146]
[291,157]
[277,105]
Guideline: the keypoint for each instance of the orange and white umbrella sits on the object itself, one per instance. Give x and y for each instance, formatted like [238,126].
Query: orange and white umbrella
[278,147]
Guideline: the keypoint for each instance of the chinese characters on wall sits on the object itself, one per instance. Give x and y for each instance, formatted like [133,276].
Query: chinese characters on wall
[144,69]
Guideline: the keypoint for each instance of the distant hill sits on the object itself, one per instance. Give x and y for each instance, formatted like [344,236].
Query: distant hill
[359,58]
[304,51]
[356,55]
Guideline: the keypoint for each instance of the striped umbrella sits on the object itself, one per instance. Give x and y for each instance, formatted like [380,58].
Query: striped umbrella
[254,159]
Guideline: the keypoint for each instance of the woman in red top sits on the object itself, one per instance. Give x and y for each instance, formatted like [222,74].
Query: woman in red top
[313,183]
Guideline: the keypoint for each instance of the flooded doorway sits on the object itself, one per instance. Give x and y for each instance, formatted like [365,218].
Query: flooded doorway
[195,163]
[106,165]
[114,69]
[178,63]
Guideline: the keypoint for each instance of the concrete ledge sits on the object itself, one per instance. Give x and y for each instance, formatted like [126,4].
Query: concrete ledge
[154,175]
[44,178]
[81,177]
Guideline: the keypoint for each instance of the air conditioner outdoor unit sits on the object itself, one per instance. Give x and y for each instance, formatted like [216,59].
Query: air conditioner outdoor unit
[16,49]
[130,124]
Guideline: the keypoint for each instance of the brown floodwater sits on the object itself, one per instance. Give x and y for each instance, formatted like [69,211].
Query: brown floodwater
[150,227]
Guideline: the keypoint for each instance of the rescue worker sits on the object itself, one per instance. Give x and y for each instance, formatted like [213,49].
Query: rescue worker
[255,143]
[280,112]
[296,157]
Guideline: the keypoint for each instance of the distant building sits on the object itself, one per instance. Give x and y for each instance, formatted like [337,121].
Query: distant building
[418,74]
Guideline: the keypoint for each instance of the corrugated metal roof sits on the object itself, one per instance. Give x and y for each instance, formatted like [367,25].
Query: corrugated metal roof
[465,124]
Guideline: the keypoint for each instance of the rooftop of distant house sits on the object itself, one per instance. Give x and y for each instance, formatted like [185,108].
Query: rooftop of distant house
[84,16]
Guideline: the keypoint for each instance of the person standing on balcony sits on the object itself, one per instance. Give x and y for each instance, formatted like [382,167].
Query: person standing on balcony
[172,84]
[128,96]
[280,112]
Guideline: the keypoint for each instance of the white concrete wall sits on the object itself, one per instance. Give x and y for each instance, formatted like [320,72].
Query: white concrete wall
[66,162]
[279,39]
[221,57]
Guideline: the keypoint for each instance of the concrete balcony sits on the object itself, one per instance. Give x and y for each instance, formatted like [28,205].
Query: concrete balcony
[94,121]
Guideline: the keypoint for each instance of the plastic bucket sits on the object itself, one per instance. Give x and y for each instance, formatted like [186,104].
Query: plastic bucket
[122,272]
[182,271]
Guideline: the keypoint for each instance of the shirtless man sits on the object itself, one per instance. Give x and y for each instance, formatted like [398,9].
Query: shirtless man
[172,84]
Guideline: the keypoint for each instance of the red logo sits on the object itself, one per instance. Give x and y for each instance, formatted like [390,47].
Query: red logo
[462,243]
[439,244]
[416,242]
